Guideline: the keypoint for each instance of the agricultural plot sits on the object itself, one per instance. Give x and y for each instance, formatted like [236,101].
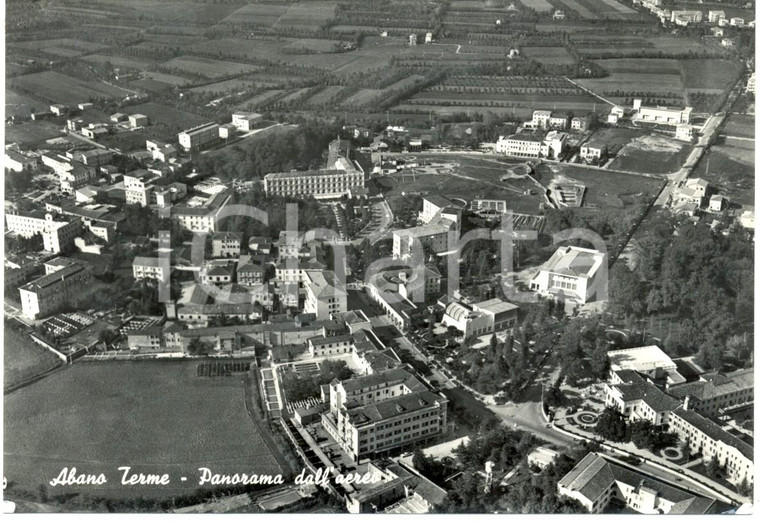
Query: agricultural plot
[59,46]
[209,68]
[312,45]
[313,14]
[182,12]
[549,55]
[168,79]
[361,97]
[20,105]
[172,118]
[297,95]
[325,96]
[740,126]
[541,6]
[231,48]
[32,132]
[173,39]
[261,100]
[155,417]
[713,76]
[730,170]
[59,88]
[235,84]
[652,154]
[257,14]
[578,7]
[118,61]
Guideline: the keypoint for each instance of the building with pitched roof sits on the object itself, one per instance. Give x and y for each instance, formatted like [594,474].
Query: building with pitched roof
[325,294]
[594,481]
[572,273]
[52,291]
[226,244]
[150,268]
[716,392]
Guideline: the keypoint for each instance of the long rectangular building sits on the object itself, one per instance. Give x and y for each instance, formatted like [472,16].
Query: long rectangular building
[320,184]
[50,292]
[200,137]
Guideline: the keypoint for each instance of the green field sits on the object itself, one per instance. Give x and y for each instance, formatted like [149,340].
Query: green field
[730,170]
[172,118]
[651,154]
[59,88]
[156,417]
[23,359]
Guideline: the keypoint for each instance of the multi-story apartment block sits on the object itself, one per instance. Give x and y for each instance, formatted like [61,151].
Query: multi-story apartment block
[226,244]
[573,273]
[559,120]
[50,292]
[375,414]
[541,118]
[139,186]
[246,121]
[58,232]
[325,294]
[198,138]
[432,206]
[151,268]
[434,236]
[250,273]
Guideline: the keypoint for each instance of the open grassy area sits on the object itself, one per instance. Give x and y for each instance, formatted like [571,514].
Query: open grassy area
[603,189]
[652,154]
[730,170]
[156,417]
[23,359]
[467,177]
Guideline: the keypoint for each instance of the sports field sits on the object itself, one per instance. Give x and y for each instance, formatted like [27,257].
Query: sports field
[156,417]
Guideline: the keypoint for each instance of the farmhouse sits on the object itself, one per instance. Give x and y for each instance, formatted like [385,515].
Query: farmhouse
[662,115]
[717,203]
[594,482]
[692,192]
[572,273]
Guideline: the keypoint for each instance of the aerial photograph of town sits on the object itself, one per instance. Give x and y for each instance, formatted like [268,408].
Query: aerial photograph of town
[379,256]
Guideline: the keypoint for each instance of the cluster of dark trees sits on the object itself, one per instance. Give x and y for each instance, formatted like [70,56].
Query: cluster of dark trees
[300,386]
[698,280]
[536,493]
[643,434]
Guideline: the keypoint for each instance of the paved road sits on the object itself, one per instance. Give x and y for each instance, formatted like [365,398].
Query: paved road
[382,210]
[527,417]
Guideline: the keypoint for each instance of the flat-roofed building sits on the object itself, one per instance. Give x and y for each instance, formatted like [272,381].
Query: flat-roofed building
[488,206]
[661,115]
[649,360]
[150,268]
[138,120]
[201,218]
[198,138]
[519,145]
[374,414]
[432,206]
[320,184]
[246,121]
[325,294]
[51,292]
[432,236]
[572,273]
[542,457]
[481,318]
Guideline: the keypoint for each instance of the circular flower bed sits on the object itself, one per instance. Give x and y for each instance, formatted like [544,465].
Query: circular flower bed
[586,418]
[672,453]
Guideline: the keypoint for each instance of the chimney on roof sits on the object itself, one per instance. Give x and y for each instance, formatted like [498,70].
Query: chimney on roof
[686,403]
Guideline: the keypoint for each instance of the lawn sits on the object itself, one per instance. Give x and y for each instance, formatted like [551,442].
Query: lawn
[23,359]
[156,417]
[32,132]
[651,154]
[603,189]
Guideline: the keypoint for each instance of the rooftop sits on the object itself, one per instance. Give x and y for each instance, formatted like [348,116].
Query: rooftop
[713,431]
[393,407]
[638,357]
[575,262]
